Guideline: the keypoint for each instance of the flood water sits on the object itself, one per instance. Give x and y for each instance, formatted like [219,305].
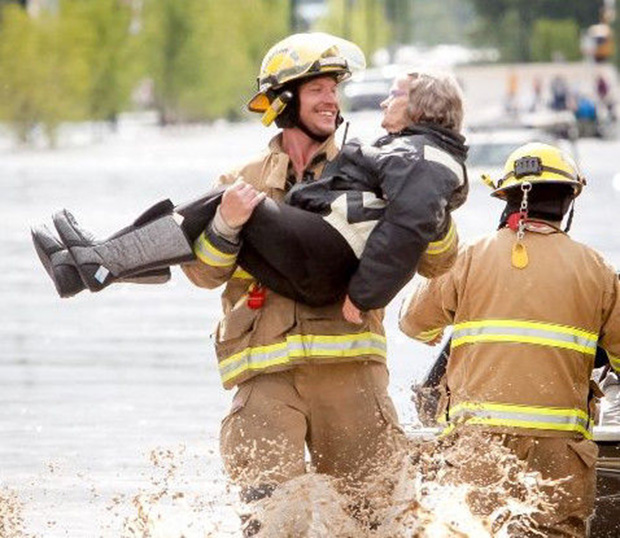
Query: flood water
[97,390]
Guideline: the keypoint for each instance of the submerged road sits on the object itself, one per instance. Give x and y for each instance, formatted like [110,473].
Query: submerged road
[91,386]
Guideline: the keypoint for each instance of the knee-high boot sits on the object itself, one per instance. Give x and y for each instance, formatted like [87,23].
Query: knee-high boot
[155,241]
[60,267]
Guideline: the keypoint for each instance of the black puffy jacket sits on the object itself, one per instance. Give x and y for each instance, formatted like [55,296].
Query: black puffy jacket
[420,173]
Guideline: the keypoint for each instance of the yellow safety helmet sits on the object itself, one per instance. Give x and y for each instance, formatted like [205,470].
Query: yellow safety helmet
[301,56]
[537,163]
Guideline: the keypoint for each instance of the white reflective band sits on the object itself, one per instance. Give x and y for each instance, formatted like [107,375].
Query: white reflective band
[525,332]
[356,234]
[521,416]
[431,153]
[207,253]
[302,346]
[439,247]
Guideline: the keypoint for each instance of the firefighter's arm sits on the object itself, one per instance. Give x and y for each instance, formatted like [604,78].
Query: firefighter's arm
[610,332]
[440,254]
[216,248]
[429,308]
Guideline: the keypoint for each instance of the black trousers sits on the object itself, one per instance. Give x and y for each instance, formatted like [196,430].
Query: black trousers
[289,250]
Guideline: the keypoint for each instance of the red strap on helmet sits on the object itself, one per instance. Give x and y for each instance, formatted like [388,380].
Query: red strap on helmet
[515,218]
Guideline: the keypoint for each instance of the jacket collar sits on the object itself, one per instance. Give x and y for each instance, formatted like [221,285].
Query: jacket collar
[279,161]
[445,138]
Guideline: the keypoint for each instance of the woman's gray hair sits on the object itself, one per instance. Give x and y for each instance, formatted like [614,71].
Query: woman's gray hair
[435,97]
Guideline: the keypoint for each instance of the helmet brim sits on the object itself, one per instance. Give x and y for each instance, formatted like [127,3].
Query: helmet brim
[510,185]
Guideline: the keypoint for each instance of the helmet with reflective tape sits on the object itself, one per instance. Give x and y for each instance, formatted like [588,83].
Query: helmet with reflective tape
[298,57]
[537,163]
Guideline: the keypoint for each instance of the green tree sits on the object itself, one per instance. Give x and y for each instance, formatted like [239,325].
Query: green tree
[45,78]
[362,21]
[203,55]
[111,56]
[438,23]
[167,26]
[552,39]
[508,24]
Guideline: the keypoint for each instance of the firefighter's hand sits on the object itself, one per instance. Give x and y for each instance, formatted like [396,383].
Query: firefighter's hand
[238,202]
[350,312]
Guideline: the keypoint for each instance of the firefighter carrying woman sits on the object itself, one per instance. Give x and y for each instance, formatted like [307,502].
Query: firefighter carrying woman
[312,241]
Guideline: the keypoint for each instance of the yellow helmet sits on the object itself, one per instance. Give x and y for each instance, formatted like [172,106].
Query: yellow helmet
[300,56]
[537,163]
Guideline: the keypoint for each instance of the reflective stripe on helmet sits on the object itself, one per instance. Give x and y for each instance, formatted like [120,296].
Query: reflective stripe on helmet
[520,416]
[207,253]
[301,346]
[527,332]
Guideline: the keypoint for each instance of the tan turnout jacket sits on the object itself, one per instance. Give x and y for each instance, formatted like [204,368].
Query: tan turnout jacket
[524,340]
[284,333]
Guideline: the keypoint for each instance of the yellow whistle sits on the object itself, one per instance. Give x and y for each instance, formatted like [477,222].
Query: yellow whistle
[519,255]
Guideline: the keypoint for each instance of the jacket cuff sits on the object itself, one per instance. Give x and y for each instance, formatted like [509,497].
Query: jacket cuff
[212,249]
[221,228]
[445,240]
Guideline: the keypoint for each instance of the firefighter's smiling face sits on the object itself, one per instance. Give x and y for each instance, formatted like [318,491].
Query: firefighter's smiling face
[318,105]
[395,114]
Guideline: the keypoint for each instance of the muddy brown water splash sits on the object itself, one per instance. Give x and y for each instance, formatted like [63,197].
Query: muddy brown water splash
[430,497]
[12,523]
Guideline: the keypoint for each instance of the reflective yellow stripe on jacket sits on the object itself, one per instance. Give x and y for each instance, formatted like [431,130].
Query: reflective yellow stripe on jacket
[207,253]
[521,416]
[615,362]
[527,332]
[427,336]
[302,346]
[439,247]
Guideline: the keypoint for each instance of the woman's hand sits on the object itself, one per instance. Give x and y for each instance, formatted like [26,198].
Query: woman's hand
[350,312]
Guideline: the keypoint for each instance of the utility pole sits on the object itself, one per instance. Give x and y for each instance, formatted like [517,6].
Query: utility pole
[293,16]
[346,18]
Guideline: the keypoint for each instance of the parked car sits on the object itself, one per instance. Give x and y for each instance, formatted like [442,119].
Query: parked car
[489,149]
[367,89]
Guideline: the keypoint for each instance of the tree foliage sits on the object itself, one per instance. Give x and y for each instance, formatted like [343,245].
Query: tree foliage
[204,54]
[509,24]
[44,75]
[519,27]
[363,21]
[111,55]
[84,59]
[552,40]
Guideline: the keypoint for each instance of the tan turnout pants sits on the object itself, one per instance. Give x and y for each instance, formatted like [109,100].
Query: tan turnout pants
[342,413]
[570,462]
